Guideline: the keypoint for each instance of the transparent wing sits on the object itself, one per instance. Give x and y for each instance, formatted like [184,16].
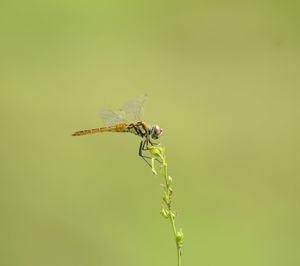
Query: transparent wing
[131,111]
[111,118]
[134,109]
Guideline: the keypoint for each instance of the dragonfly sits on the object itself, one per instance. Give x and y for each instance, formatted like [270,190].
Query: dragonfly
[128,119]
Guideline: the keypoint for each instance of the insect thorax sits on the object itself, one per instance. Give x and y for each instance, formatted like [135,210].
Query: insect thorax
[138,128]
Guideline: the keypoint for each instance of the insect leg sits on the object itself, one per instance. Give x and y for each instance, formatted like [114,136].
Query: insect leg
[145,143]
[141,149]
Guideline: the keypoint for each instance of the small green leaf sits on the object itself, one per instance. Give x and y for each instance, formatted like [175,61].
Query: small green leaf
[169,180]
[170,191]
[164,213]
[179,238]
[153,166]
[172,214]
[166,197]
[154,152]
[154,171]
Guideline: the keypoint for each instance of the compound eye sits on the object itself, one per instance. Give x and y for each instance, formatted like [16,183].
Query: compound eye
[157,130]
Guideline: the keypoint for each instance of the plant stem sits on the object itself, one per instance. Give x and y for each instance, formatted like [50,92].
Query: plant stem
[159,152]
[178,248]
[171,217]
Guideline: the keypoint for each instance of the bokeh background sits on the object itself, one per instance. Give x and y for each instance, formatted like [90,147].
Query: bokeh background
[222,79]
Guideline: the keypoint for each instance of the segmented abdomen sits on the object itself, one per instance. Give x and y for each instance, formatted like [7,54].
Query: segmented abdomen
[116,128]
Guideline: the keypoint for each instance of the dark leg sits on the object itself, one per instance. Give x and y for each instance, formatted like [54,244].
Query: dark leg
[141,149]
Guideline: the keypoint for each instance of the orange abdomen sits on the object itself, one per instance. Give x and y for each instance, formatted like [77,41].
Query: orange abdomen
[116,128]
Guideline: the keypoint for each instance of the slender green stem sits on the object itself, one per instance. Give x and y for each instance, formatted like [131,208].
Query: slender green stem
[171,217]
[166,210]
[178,248]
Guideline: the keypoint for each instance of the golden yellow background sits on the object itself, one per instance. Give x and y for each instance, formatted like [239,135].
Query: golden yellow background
[223,81]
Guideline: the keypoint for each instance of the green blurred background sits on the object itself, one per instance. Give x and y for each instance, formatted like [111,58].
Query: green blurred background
[223,81]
